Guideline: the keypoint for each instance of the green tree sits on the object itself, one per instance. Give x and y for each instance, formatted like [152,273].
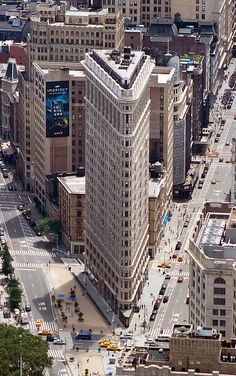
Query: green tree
[16,341]
[47,226]
[7,259]
[15,293]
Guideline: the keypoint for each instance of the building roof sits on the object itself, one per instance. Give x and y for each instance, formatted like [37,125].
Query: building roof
[73,184]
[123,67]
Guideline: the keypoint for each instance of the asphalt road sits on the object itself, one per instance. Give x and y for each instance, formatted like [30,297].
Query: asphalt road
[176,310]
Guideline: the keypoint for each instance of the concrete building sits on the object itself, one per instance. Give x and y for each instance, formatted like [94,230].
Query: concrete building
[72,212]
[130,9]
[9,102]
[233,161]
[154,9]
[189,351]
[161,141]
[212,283]
[60,33]
[117,178]
[56,135]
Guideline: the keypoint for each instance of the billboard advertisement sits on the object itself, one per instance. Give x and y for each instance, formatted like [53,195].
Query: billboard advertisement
[57,109]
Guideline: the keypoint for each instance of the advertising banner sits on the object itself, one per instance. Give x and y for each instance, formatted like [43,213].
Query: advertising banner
[57,109]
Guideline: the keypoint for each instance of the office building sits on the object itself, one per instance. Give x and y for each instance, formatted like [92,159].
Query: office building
[71,192]
[117,176]
[189,352]
[130,9]
[60,33]
[212,283]
[55,139]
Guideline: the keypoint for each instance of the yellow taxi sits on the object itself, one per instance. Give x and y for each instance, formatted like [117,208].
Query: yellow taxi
[114,347]
[38,323]
[164,265]
[227,160]
[107,343]
[45,332]
[180,258]
[103,340]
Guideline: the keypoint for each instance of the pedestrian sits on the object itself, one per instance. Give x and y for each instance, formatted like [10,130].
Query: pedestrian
[139,317]
[148,283]
[87,360]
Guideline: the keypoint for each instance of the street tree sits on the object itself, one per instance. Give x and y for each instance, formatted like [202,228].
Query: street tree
[48,225]
[7,259]
[19,343]
[15,293]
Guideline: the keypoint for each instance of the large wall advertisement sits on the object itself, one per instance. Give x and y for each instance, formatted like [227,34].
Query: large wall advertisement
[57,109]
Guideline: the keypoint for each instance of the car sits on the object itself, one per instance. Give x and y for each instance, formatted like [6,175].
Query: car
[1,231]
[152,317]
[150,341]
[51,338]
[200,185]
[126,336]
[114,347]
[10,188]
[180,258]
[38,323]
[203,175]
[213,181]
[216,139]
[178,245]
[234,117]
[103,340]
[164,265]
[38,233]
[165,299]
[28,308]
[227,143]
[28,217]
[3,240]
[107,343]
[167,276]
[223,121]
[20,207]
[45,332]
[221,159]
[186,223]
[59,341]
[229,106]
[174,256]
[24,213]
[180,279]
[227,160]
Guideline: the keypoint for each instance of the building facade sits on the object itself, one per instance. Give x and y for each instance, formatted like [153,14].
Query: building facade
[117,155]
[212,283]
[72,212]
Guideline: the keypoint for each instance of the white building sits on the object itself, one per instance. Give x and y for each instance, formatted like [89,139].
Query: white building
[212,283]
[117,173]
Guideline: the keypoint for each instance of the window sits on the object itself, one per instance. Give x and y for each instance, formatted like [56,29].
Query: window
[215,312]
[223,312]
[222,322]
[222,332]
[219,290]
[219,301]
[215,322]
[219,281]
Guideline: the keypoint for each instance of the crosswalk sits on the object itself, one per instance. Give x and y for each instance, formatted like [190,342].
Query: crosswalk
[175,261]
[27,265]
[176,273]
[155,332]
[56,354]
[32,252]
[46,325]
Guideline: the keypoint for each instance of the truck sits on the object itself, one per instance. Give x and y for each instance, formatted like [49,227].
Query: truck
[24,318]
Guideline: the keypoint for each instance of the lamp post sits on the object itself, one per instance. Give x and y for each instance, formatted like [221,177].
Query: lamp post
[21,361]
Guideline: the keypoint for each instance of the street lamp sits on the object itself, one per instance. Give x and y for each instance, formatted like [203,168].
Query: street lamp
[21,361]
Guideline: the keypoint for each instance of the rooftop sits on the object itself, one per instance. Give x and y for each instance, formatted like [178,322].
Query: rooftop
[186,330]
[73,184]
[123,67]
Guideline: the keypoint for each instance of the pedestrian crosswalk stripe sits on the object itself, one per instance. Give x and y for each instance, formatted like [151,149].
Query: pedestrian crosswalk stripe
[32,252]
[176,273]
[27,265]
[46,325]
[56,354]
[157,331]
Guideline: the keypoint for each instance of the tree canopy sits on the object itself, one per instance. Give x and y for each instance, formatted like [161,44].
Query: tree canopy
[34,350]
[7,259]
[15,293]
[48,225]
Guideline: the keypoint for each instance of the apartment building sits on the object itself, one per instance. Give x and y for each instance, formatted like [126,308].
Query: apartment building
[233,171]
[212,283]
[72,212]
[154,9]
[60,33]
[117,178]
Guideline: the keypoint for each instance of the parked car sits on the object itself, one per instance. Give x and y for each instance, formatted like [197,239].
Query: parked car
[227,143]
[178,245]
[216,139]
[20,207]
[28,308]
[221,159]
[165,299]
[152,317]
[180,279]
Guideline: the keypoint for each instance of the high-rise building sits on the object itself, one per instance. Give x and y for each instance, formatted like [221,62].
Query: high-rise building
[131,8]
[117,173]
[212,283]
